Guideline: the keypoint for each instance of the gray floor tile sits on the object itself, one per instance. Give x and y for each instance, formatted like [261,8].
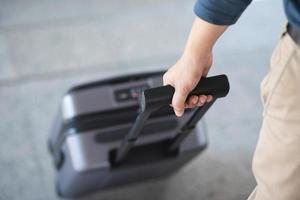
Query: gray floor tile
[18,13]
[6,66]
[22,180]
[20,170]
[132,36]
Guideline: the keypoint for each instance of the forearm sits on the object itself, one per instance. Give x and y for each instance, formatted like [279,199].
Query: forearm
[213,18]
[194,63]
[202,38]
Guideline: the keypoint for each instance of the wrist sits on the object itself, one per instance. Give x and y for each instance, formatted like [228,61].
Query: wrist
[197,55]
[202,39]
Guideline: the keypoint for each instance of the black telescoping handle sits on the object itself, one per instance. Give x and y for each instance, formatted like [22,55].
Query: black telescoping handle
[155,98]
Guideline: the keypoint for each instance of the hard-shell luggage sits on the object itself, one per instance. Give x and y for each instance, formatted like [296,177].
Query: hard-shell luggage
[122,130]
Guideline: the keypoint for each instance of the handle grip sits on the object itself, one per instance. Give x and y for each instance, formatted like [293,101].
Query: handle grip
[217,86]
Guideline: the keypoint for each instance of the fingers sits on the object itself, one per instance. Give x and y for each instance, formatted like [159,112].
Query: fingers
[178,101]
[202,100]
[205,72]
[194,101]
[209,98]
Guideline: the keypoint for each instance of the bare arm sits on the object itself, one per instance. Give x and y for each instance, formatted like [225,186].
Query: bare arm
[194,63]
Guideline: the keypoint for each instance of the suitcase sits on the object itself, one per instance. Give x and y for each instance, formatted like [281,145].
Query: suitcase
[122,130]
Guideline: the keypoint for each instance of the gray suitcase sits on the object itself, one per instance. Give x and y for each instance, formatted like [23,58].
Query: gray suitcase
[94,141]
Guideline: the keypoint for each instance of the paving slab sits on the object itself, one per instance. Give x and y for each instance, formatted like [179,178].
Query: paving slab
[6,66]
[15,13]
[20,172]
[124,37]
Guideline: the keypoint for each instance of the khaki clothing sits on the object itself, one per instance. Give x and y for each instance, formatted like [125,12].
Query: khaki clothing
[276,163]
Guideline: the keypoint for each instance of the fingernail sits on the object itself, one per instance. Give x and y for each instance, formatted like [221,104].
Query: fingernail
[194,101]
[202,100]
[178,114]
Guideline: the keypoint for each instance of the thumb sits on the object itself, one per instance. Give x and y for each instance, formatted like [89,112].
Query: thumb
[178,100]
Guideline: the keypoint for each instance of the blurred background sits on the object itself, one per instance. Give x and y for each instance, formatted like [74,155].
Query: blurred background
[48,46]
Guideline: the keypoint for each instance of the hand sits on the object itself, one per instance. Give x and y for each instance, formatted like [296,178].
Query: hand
[184,76]
[194,64]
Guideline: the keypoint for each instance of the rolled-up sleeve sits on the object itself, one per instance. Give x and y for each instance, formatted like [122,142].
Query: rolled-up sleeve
[220,12]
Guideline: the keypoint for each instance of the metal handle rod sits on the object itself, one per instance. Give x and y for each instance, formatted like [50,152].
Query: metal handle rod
[190,125]
[132,136]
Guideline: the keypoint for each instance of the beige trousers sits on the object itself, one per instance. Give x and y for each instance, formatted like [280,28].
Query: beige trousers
[276,163]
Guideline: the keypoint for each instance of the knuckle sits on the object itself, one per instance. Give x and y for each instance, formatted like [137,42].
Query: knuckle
[178,109]
[167,79]
[184,89]
[177,105]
